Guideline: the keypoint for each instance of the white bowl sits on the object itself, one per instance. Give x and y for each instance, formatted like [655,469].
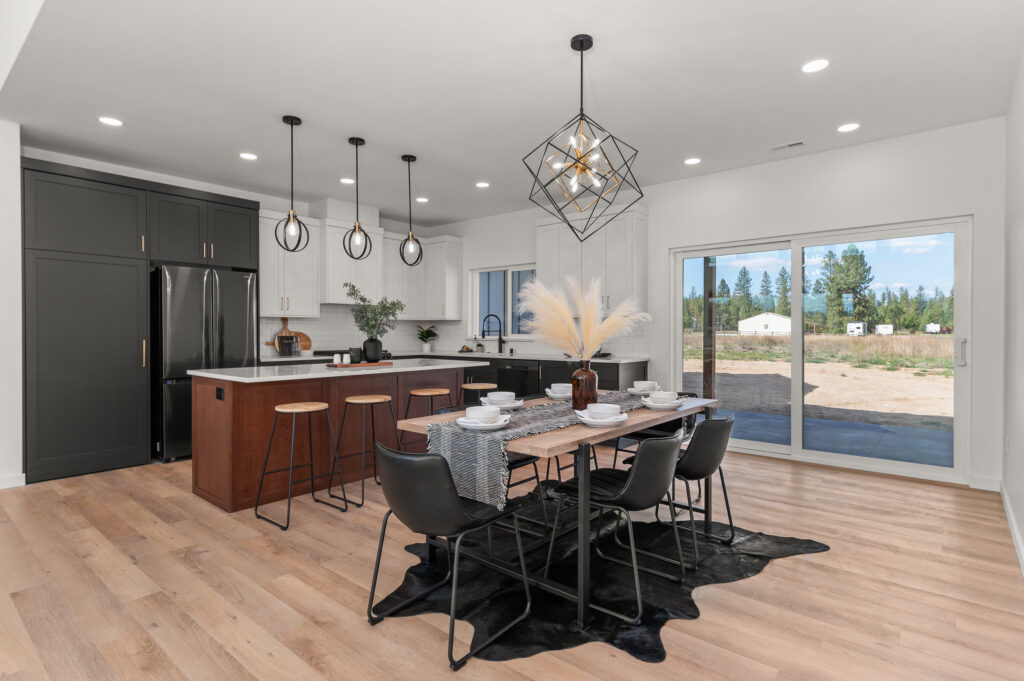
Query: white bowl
[663,396]
[561,388]
[602,411]
[483,414]
[500,397]
[645,385]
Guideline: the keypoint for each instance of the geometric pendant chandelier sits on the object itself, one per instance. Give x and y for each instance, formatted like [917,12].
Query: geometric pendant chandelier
[290,232]
[582,174]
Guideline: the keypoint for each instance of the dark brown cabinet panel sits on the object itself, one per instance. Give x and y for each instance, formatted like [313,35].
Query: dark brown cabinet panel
[177,228]
[88,410]
[233,234]
[83,216]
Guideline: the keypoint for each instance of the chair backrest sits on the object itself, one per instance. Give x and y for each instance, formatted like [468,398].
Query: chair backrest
[420,491]
[687,422]
[652,472]
[706,450]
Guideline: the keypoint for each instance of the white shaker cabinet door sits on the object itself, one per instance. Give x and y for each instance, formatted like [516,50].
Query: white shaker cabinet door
[271,297]
[300,278]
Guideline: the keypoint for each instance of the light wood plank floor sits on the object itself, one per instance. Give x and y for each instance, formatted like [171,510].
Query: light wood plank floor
[126,575]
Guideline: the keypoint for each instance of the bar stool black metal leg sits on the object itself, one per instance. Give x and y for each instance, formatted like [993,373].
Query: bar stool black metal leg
[362,456]
[335,463]
[373,439]
[266,460]
[291,469]
[394,423]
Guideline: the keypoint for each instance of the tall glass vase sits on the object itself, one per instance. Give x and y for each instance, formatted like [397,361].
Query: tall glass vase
[584,386]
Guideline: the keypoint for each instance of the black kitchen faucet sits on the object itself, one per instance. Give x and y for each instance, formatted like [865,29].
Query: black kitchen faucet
[483,330]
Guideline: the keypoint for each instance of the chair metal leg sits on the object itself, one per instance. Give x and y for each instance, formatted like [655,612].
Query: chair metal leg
[459,663]
[554,534]
[291,470]
[728,510]
[373,617]
[336,462]
[649,554]
[622,514]
[266,460]
[693,525]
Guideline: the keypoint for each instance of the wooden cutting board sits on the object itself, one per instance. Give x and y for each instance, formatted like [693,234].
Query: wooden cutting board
[304,342]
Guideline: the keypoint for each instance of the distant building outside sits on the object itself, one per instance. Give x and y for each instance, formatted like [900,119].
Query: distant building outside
[765,324]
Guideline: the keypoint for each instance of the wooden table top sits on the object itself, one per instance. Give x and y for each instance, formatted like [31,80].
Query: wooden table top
[555,442]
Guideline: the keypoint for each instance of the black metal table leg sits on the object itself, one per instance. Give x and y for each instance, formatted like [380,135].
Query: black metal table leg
[583,536]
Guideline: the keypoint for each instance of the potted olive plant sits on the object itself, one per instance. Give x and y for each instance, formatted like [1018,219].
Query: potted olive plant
[426,334]
[373,319]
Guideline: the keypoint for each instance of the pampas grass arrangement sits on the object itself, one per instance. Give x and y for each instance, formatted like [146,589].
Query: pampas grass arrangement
[572,323]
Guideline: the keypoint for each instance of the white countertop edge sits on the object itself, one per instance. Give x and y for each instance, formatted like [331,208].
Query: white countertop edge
[534,356]
[302,372]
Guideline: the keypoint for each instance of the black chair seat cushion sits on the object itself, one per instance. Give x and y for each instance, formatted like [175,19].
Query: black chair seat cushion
[519,460]
[605,483]
[485,513]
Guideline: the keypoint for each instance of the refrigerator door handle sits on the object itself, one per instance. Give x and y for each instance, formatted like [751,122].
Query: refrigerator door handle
[207,303]
[216,342]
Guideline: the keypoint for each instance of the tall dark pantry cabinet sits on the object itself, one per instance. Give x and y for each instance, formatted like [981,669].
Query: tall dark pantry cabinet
[89,242]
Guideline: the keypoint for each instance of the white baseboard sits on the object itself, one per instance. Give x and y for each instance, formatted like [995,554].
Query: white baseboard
[985,482]
[12,480]
[1015,529]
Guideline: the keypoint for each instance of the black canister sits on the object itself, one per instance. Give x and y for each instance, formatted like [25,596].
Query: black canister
[288,346]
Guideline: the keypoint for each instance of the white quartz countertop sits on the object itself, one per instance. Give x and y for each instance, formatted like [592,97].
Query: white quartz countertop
[312,359]
[535,356]
[300,372]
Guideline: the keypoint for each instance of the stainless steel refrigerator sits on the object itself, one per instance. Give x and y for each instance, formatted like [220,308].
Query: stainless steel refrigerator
[205,319]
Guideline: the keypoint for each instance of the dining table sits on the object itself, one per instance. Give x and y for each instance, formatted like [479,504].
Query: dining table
[578,439]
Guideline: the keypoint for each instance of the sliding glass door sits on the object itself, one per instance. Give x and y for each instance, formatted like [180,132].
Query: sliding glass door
[736,326]
[872,350]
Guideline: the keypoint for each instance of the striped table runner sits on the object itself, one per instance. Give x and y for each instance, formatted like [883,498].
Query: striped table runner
[478,461]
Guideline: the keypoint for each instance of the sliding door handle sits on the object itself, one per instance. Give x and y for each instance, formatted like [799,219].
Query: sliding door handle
[204,250]
[143,353]
[960,352]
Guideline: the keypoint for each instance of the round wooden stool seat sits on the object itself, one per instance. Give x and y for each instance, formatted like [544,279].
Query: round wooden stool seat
[368,399]
[301,407]
[479,386]
[430,392]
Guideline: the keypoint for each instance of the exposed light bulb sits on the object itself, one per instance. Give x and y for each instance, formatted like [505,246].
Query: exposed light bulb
[358,239]
[412,247]
[572,141]
[597,182]
[596,142]
[291,230]
[594,157]
[556,166]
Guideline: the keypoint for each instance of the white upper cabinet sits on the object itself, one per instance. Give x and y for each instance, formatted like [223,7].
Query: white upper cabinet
[338,268]
[616,254]
[432,290]
[289,282]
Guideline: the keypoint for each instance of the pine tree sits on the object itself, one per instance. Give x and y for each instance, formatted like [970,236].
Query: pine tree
[767,301]
[742,295]
[782,304]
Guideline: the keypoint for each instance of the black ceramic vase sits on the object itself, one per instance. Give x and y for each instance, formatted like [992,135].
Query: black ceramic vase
[372,349]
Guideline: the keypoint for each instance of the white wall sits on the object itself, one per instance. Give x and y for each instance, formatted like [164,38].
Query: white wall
[11,448]
[16,20]
[949,172]
[1013,394]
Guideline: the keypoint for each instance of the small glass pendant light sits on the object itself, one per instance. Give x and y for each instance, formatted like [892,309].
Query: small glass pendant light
[291,233]
[411,250]
[356,241]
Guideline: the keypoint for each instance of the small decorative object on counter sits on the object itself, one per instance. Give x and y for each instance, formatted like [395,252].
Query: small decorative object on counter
[479,347]
[373,319]
[579,332]
[356,354]
[338,359]
[345,359]
[426,334]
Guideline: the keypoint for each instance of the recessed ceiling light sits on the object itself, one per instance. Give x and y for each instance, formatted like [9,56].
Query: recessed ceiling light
[814,66]
[692,161]
[848,127]
[421,199]
[248,156]
[483,185]
[347,180]
[112,122]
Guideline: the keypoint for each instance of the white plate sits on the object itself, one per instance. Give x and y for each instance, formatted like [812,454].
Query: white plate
[663,406]
[485,427]
[638,391]
[502,405]
[557,396]
[601,423]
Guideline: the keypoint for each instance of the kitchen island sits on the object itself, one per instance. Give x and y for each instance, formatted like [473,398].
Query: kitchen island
[233,412]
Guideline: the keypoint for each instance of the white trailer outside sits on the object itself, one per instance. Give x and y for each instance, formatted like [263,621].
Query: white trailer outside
[855,328]
[883,329]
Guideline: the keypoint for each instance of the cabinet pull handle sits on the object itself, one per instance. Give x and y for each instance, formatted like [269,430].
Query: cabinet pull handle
[143,242]
[211,250]
[204,250]
[143,353]
[442,308]
[288,303]
[282,302]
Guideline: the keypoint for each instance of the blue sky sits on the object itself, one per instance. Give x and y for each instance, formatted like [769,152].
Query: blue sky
[906,262]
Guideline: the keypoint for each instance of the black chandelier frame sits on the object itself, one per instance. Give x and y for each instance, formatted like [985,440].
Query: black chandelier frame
[357,228]
[301,240]
[411,239]
[552,162]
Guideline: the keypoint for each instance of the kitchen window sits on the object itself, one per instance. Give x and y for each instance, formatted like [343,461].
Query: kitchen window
[496,291]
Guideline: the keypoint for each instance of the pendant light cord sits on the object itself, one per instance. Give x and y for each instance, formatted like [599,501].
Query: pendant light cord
[291,128]
[357,184]
[581,81]
[408,165]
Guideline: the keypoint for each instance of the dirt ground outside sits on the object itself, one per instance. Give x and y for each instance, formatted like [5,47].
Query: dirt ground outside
[834,390]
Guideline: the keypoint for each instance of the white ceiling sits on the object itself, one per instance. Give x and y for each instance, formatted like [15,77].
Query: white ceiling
[471,86]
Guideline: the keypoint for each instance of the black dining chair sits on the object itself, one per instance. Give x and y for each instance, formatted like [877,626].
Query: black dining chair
[644,485]
[702,457]
[687,423]
[515,462]
[420,491]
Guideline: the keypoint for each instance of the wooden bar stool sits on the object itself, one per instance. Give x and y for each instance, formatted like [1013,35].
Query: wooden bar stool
[480,388]
[296,408]
[364,402]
